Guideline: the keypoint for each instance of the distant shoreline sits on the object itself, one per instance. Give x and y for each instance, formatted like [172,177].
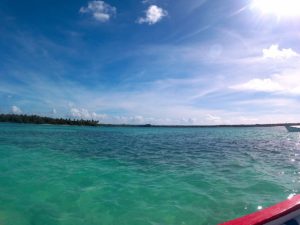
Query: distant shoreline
[201,126]
[34,119]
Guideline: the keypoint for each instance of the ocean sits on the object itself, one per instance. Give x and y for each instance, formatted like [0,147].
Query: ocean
[68,175]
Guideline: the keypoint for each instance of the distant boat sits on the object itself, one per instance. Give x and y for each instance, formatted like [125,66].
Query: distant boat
[292,128]
[284,213]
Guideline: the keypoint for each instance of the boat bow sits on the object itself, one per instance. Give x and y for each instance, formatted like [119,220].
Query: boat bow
[283,213]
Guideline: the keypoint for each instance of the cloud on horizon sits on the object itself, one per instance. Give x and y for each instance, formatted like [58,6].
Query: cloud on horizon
[82,113]
[16,110]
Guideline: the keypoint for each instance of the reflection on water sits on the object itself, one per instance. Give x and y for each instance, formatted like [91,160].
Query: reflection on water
[78,175]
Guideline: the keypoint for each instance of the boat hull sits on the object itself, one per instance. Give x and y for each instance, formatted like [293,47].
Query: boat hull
[293,128]
[284,213]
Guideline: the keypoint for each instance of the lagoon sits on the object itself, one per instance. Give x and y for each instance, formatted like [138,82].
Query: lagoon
[63,175]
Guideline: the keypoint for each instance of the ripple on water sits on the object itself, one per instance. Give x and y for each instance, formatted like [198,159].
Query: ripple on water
[78,175]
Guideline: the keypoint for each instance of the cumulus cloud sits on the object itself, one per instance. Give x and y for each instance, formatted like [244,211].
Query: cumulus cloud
[99,10]
[82,113]
[153,15]
[274,52]
[16,110]
[285,83]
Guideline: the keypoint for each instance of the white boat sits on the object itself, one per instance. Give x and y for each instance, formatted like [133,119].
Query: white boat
[283,213]
[292,128]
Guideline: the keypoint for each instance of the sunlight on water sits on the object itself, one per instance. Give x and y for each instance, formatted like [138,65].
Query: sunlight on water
[259,207]
[78,175]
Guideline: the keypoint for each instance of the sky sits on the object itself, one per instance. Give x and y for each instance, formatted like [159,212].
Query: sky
[183,62]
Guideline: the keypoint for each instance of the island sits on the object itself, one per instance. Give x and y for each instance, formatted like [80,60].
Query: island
[35,119]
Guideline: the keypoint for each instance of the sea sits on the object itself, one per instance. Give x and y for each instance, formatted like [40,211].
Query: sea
[69,175]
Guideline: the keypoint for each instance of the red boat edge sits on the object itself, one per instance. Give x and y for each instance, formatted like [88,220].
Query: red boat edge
[276,214]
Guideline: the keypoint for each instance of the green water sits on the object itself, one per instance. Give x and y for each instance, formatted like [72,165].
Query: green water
[52,175]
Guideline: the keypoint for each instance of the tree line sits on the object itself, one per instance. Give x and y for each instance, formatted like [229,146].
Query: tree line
[35,119]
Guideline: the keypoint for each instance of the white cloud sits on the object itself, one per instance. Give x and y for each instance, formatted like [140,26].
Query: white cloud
[147,1]
[85,114]
[274,52]
[16,110]
[153,15]
[100,10]
[80,113]
[214,119]
[285,83]
[97,116]
[264,85]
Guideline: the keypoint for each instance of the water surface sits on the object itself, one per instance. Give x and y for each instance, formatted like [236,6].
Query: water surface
[62,175]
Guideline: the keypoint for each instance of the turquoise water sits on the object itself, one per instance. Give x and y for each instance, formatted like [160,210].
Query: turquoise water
[133,176]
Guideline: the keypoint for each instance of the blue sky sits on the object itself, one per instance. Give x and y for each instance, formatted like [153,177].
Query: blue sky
[152,61]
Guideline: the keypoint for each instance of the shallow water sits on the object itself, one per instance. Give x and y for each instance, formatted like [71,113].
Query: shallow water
[133,176]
